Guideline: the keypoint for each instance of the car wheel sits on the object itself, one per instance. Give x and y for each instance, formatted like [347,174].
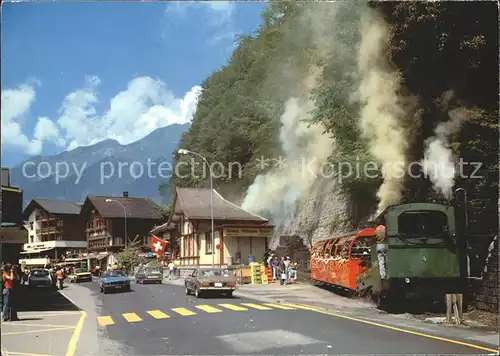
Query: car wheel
[105,291]
[188,292]
[230,294]
[127,289]
[136,281]
[197,293]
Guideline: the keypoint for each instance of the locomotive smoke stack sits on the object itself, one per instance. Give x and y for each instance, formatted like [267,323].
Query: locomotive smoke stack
[461,224]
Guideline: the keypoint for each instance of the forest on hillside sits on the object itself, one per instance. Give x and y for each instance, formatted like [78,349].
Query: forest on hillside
[382,82]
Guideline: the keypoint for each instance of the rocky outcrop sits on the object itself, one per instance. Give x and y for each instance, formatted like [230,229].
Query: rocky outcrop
[320,215]
[488,295]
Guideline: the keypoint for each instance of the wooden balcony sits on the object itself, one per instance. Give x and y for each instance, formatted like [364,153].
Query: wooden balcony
[51,230]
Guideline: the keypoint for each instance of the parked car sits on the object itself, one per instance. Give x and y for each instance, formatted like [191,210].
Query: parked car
[80,275]
[210,280]
[152,272]
[41,277]
[116,279]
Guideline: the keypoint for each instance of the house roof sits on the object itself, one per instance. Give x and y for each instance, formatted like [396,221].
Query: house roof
[194,203]
[138,208]
[164,227]
[53,206]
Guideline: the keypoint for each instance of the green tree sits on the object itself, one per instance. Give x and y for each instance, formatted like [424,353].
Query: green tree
[130,257]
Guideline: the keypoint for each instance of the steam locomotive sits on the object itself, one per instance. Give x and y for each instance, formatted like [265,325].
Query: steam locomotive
[418,250]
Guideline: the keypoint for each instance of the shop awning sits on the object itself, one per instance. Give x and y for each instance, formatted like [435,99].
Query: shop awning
[37,251]
[98,256]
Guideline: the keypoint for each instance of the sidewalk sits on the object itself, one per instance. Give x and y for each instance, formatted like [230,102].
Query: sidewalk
[47,325]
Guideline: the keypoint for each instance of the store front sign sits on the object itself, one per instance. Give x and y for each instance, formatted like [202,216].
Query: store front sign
[248,232]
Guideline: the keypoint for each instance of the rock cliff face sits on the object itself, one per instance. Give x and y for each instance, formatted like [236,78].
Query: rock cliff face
[321,215]
[488,295]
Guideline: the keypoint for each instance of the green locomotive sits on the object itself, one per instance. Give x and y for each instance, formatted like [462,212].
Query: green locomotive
[422,250]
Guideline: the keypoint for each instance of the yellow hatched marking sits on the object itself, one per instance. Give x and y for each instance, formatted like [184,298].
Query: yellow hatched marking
[183,311]
[208,309]
[256,306]
[105,320]
[233,307]
[280,306]
[157,314]
[131,317]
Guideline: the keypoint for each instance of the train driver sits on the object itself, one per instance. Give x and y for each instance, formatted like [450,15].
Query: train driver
[381,235]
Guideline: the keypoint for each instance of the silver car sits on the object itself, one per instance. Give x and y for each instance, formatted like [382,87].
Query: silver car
[41,277]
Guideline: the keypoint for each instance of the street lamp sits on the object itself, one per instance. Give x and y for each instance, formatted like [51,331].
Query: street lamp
[124,214]
[187,152]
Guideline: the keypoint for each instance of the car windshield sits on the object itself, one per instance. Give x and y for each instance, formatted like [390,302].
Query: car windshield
[215,273]
[39,273]
[153,270]
[114,274]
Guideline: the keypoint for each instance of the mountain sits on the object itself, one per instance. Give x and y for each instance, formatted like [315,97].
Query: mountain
[106,168]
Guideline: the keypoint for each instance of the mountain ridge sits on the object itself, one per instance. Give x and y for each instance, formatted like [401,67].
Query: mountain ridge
[105,168]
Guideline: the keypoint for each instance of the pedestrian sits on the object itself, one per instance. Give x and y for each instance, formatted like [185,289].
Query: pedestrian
[7,285]
[60,278]
[171,269]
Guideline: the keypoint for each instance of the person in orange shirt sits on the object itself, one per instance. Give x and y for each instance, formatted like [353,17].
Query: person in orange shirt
[60,277]
[8,283]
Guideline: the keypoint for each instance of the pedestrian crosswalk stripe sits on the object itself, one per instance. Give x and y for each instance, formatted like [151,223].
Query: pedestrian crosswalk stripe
[256,306]
[183,311]
[157,314]
[105,320]
[208,309]
[131,317]
[280,306]
[233,307]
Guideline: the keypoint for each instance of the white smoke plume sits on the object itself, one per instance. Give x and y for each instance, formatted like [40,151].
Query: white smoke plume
[438,163]
[382,110]
[306,149]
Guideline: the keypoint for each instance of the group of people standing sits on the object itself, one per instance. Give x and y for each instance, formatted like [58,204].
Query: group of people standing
[283,269]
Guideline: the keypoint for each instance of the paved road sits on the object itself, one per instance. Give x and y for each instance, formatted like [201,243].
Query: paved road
[161,319]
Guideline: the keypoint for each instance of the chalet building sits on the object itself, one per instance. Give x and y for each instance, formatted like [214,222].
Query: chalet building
[13,234]
[240,236]
[55,231]
[113,222]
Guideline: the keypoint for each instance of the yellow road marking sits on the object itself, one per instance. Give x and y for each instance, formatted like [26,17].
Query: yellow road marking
[76,335]
[256,306]
[406,331]
[131,317]
[105,320]
[39,325]
[36,331]
[183,311]
[279,306]
[233,307]
[303,307]
[208,309]
[157,314]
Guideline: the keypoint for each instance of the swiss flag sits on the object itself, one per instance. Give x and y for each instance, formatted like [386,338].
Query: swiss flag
[158,245]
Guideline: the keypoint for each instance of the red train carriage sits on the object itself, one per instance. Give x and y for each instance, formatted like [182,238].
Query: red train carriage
[338,260]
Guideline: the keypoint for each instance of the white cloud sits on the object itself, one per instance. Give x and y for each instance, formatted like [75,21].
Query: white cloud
[145,105]
[15,105]
[220,17]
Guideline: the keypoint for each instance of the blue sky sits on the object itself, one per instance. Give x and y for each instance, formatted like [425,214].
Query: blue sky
[76,73]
